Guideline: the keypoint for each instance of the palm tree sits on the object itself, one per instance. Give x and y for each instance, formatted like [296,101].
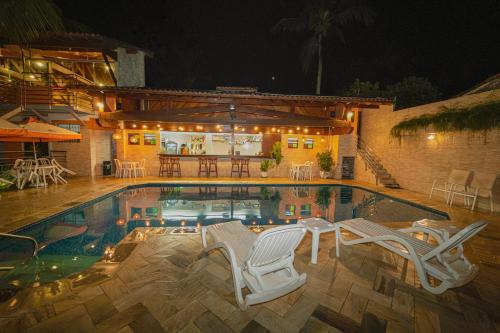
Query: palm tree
[320,19]
[23,21]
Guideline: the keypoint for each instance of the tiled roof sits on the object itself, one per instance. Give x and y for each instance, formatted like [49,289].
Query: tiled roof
[491,83]
[243,93]
[83,40]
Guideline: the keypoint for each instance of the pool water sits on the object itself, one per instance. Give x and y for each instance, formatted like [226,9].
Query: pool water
[72,241]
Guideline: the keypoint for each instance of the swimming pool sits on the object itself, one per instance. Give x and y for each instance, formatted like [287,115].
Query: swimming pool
[75,239]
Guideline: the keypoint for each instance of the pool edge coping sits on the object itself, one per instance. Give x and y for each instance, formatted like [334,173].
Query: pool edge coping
[226,184]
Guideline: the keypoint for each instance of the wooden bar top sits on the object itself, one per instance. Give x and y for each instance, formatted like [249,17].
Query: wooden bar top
[217,156]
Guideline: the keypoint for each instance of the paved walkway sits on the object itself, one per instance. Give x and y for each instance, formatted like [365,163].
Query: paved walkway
[159,282]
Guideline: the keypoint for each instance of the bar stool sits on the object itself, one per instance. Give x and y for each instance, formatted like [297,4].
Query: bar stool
[244,166]
[212,162]
[164,166]
[203,166]
[235,166]
[175,166]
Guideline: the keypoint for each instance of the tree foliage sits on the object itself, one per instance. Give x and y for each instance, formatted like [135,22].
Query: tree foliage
[22,21]
[411,91]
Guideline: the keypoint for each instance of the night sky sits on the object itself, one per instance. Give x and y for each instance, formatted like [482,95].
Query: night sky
[203,44]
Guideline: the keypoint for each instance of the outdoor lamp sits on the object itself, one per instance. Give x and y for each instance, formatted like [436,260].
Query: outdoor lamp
[350,115]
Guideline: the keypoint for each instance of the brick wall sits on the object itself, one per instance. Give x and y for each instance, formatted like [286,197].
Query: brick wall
[416,161]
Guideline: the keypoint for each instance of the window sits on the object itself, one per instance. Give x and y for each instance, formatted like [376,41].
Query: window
[151,212]
[289,210]
[293,143]
[305,210]
[71,127]
[308,144]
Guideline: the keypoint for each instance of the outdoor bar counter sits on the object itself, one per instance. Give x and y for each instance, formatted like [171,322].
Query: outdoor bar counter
[189,164]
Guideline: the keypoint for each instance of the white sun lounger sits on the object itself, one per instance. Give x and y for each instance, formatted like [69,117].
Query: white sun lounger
[263,263]
[444,261]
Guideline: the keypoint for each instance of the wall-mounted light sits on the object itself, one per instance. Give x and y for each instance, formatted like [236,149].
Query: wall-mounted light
[350,115]
[317,133]
[279,131]
[431,136]
[100,105]
[39,64]
[134,125]
[256,128]
[158,125]
[144,126]
[273,129]
[181,128]
[199,127]
[306,130]
[117,136]
[236,128]
[298,128]
[290,131]
[232,107]
[243,129]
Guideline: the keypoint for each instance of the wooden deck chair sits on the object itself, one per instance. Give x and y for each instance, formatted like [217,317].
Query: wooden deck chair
[445,261]
[457,180]
[263,263]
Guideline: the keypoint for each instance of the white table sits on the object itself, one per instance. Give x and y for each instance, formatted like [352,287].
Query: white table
[317,226]
[442,228]
[130,167]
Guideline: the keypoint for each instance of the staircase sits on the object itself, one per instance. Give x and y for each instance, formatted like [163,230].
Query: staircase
[375,165]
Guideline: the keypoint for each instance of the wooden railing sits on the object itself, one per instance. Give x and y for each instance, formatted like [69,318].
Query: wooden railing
[46,91]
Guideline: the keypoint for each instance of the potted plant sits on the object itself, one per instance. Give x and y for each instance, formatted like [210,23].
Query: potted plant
[276,152]
[264,166]
[325,162]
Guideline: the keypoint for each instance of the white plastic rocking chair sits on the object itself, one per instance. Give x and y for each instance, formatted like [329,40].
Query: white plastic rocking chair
[445,261]
[263,263]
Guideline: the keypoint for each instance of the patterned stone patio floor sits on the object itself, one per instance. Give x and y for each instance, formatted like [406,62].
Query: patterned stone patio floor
[166,283]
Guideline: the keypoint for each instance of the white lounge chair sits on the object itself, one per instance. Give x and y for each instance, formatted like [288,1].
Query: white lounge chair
[59,170]
[457,180]
[444,261]
[263,263]
[481,186]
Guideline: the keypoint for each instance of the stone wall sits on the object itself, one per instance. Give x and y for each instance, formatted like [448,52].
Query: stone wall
[415,161]
[130,70]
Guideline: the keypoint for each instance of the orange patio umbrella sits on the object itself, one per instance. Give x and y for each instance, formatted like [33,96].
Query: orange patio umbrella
[34,131]
[9,129]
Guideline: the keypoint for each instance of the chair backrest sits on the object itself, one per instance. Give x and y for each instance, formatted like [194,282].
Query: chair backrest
[459,238]
[484,181]
[118,163]
[275,244]
[18,163]
[460,177]
[142,164]
[43,161]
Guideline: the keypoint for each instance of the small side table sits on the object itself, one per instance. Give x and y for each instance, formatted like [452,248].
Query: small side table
[440,227]
[316,226]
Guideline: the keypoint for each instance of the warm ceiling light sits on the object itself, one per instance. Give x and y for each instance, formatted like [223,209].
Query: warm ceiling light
[273,129]
[144,126]
[431,136]
[100,105]
[298,128]
[243,129]
[39,64]
[101,85]
[322,140]
[236,128]
[158,125]
[317,133]
[290,131]
[306,130]
[199,127]
[134,125]
[32,76]
[220,129]
[161,128]
[181,128]
[256,128]
[218,126]
[279,131]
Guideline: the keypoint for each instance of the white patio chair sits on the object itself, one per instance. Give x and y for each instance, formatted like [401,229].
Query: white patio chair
[308,170]
[59,170]
[30,171]
[18,172]
[141,168]
[457,180]
[118,167]
[481,186]
[445,261]
[263,263]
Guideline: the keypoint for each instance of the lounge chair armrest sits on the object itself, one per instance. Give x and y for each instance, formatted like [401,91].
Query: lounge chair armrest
[438,235]
[228,249]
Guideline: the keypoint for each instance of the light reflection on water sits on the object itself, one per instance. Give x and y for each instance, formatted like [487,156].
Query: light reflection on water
[73,242]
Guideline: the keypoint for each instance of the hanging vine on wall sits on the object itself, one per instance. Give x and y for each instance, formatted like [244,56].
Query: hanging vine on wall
[482,117]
